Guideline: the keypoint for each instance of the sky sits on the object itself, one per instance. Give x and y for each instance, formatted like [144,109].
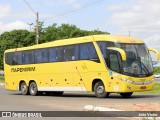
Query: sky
[140,18]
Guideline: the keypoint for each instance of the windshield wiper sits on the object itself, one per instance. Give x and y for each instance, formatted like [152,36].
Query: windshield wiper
[144,67]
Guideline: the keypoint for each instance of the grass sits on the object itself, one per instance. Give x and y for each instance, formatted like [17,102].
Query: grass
[1,79]
[156,90]
[156,70]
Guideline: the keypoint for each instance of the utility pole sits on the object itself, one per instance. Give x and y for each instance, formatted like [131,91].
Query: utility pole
[37,35]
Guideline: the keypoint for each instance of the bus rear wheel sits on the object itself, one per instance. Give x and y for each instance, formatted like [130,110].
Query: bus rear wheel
[99,90]
[126,95]
[24,89]
[33,89]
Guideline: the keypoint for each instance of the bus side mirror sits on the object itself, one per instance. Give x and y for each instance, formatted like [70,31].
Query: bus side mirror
[121,51]
[156,52]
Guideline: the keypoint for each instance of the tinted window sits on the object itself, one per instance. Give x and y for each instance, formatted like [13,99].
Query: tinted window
[84,52]
[13,58]
[59,56]
[41,55]
[87,51]
[28,57]
[76,52]
[70,52]
[102,46]
[110,44]
[9,58]
[114,63]
[52,54]
[17,59]
[92,51]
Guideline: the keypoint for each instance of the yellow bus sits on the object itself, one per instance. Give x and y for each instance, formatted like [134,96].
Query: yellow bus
[102,64]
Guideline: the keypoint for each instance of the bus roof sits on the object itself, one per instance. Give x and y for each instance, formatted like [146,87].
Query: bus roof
[112,38]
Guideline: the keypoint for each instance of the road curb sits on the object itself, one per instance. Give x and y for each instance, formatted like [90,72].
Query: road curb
[116,112]
[96,108]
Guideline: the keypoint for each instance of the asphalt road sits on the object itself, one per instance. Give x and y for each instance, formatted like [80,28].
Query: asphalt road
[14,101]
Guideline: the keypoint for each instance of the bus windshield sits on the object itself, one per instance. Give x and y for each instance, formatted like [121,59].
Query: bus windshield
[138,62]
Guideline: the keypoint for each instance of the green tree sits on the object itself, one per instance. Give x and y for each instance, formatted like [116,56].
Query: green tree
[65,31]
[12,39]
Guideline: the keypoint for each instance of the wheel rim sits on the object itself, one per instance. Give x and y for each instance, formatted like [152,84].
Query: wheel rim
[100,89]
[24,88]
[33,89]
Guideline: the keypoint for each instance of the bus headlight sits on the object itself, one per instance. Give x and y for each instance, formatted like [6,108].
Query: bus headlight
[137,83]
[126,80]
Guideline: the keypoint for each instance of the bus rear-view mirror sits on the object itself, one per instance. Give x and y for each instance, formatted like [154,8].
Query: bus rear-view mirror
[121,51]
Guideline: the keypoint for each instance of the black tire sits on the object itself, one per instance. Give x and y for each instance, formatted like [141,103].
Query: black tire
[126,95]
[99,90]
[33,90]
[24,88]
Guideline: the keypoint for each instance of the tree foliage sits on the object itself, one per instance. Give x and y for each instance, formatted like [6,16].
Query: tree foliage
[23,38]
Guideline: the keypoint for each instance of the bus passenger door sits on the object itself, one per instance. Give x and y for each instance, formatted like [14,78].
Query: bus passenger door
[113,63]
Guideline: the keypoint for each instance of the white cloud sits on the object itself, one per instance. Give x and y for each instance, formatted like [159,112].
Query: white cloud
[12,26]
[4,10]
[141,17]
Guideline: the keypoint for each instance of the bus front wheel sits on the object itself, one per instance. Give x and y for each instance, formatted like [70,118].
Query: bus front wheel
[24,88]
[33,89]
[99,90]
[126,95]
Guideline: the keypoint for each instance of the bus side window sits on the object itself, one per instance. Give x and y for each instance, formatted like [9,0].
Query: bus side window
[17,58]
[76,52]
[110,44]
[102,46]
[14,61]
[38,56]
[52,55]
[41,55]
[45,55]
[84,52]
[59,56]
[28,57]
[68,53]
[9,58]
[92,51]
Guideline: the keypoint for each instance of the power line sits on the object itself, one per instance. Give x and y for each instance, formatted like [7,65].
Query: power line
[30,7]
[73,11]
[37,21]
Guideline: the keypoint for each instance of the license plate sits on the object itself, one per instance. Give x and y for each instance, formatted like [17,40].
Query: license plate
[143,87]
